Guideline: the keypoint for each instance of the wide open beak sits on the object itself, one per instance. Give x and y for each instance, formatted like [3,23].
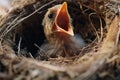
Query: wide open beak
[62,22]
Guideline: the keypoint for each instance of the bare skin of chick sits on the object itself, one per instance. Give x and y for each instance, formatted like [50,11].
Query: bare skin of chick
[61,40]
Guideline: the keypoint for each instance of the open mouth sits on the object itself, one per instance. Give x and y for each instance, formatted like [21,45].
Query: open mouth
[62,20]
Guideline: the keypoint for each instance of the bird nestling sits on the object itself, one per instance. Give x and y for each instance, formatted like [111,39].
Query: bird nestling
[59,33]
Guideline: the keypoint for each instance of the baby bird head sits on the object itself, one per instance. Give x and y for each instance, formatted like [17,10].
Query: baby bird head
[57,22]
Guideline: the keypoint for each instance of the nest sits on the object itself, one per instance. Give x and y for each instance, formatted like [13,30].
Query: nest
[21,34]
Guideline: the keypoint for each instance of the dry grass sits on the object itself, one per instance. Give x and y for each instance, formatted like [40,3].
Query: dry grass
[99,60]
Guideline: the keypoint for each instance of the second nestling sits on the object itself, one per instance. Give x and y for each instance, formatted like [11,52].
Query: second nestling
[58,29]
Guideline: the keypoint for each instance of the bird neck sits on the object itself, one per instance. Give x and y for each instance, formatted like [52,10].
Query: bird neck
[59,38]
[68,45]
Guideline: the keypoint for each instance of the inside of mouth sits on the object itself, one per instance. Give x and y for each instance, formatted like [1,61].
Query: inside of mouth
[63,21]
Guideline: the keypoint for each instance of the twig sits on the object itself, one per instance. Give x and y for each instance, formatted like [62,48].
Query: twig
[39,48]
[93,25]
[19,45]
[47,66]
[101,30]
[5,76]
[31,55]
[119,10]
[9,27]
[115,1]
[118,35]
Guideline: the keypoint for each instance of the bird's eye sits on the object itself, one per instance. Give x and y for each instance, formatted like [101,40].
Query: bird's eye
[51,15]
